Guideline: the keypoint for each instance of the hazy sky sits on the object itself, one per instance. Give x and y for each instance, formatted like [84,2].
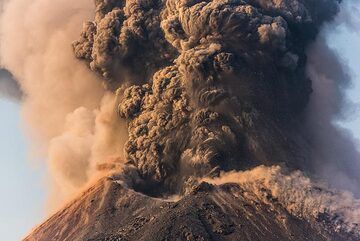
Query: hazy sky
[22,183]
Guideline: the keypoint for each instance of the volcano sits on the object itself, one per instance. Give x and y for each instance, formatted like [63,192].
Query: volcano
[207,119]
[108,211]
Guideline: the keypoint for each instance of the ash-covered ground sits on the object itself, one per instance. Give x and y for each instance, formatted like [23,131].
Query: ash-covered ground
[109,212]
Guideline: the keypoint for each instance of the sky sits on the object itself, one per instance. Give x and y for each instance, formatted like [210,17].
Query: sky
[347,43]
[22,182]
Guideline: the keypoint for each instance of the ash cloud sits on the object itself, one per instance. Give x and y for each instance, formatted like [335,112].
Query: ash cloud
[223,84]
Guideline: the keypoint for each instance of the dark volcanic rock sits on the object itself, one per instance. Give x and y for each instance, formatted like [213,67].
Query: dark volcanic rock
[107,212]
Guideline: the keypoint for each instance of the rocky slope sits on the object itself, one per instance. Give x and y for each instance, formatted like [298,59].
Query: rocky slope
[108,211]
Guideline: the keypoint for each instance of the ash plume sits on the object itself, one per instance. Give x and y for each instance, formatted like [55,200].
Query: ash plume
[222,86]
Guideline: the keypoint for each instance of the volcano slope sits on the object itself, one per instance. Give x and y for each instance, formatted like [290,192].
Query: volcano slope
[109,212]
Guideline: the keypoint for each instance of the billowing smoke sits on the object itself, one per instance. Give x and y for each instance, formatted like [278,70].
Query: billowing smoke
[210,85]
[168,91]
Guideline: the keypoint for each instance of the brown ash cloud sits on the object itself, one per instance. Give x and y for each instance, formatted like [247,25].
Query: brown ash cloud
[206,85]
